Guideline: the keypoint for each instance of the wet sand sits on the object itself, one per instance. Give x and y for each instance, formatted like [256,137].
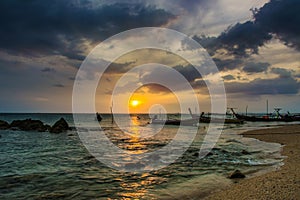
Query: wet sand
[284,183]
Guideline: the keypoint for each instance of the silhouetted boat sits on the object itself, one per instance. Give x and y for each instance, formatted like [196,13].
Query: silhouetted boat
[210,119]
[99,118]
[176,122]
[267,118]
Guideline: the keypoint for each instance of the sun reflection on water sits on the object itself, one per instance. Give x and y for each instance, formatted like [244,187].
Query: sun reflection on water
[141,189]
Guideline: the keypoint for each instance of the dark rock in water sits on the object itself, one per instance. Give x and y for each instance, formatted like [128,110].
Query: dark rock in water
[60,126]
[4,125]
[29,125]
[196,154]
[210,154]
[236,174]
[48,127]
[244,152]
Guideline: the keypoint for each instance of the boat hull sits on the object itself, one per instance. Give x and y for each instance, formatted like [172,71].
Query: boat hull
[264,119]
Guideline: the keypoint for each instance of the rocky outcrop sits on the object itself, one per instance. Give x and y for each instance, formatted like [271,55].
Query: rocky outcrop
[60,126]
[29,125]
[4,125]
[236,174]
[35,125]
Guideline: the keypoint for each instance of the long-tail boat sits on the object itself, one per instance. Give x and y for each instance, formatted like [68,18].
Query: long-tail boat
[267,118]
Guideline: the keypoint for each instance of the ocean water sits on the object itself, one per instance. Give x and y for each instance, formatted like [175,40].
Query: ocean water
[35,165]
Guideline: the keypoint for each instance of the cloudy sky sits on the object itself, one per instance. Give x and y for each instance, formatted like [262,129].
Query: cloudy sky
[255,45]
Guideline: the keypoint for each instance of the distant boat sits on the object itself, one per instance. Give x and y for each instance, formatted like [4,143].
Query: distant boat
[176,122]
[99,118]
[295,117]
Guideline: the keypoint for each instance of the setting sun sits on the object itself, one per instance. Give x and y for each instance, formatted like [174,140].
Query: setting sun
[134,103]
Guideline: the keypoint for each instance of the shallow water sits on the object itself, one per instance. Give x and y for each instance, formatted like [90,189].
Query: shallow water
[36,165]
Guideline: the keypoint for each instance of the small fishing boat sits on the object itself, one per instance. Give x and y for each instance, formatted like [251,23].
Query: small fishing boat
[99,118]
[266,118]
[209,119]
[220,120]
[177,122]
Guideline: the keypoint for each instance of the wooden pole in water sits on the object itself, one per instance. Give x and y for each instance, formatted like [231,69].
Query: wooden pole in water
[246,110]
[111,112]
[267,107]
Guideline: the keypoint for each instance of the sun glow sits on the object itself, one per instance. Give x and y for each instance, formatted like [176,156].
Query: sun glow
[134,103]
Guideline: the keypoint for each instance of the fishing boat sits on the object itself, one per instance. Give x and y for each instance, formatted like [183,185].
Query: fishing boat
[209,119]
[99,118]
[204,119]
[266,118]
[295,117]
[195,120]
[176,122]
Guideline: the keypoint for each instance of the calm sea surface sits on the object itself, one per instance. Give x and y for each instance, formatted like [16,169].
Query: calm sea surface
[35,165]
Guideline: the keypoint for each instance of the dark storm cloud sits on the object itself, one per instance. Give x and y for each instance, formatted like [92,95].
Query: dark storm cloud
[283,73]
[189,72]
[60,26]
[252,67]
[227,64]
[265,87]
[243,37]
[278,18]
[281,17]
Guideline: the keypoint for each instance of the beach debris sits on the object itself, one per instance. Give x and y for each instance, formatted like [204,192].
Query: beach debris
[60,126]
[236,174]
[4,125]
[29,125]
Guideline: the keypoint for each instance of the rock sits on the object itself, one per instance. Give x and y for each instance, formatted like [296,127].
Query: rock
[48,127]
[60,126]
[210,154]
[236,174]
[28,125]
[4,125]
[244,152]
[196,154]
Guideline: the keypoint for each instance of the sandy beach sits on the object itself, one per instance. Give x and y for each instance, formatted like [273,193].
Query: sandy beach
[283,183]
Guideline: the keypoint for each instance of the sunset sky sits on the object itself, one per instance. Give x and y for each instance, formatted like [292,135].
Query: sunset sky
[254,43]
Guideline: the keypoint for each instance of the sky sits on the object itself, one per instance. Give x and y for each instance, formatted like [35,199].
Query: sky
[255,45]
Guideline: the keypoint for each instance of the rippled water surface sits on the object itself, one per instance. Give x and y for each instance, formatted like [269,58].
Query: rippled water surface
[35,165]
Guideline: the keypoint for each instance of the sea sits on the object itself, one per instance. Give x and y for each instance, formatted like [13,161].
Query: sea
[41,165]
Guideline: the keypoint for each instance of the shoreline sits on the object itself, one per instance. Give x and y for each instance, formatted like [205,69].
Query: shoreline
[282,183]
